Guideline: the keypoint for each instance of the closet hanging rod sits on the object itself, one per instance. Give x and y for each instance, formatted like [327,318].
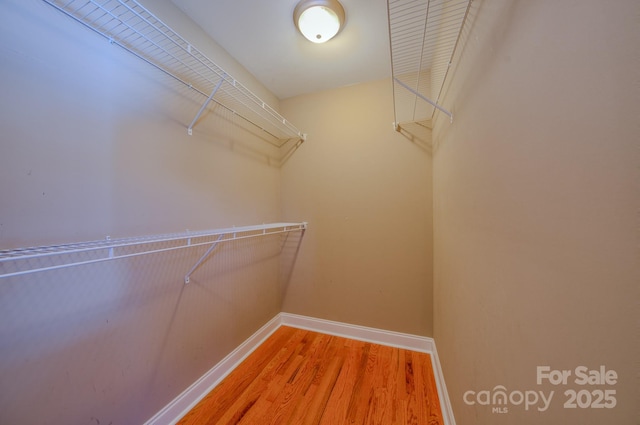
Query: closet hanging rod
[129,25]
[107,249]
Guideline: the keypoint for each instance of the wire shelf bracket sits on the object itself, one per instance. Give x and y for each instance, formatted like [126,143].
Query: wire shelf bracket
[204,105]
[201,260]
[19,262]
[426,99]
[129,25]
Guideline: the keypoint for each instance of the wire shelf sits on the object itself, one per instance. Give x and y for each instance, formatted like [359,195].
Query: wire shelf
[132,27]
[21,261]
[423,36]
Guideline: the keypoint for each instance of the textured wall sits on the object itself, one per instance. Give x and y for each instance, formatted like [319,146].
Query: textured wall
[366,192]
[536,194]
[94,143]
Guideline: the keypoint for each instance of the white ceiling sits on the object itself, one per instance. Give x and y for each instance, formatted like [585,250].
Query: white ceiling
[261,35]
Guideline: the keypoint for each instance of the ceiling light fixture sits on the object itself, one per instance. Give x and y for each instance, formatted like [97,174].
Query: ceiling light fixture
[319,20]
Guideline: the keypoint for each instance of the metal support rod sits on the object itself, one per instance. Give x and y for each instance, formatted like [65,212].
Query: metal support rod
[426,99]
[204,105]
[204,256]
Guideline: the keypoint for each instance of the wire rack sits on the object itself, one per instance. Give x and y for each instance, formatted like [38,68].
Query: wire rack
[423,36]
[17,262]
[132,27]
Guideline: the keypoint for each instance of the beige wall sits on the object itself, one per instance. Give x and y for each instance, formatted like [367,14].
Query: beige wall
[535,201]
[166,11]
[366,192]
[93,143]
[536,193]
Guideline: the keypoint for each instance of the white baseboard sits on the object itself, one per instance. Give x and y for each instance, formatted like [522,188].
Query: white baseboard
[360,333]
[182,404]
[175,410]
[378,336]
[443,394]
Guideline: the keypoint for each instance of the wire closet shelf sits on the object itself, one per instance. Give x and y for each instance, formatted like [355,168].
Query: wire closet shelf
[424,35]
[129,25]
[22,261]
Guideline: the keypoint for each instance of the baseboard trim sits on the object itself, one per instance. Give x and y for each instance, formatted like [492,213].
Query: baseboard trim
[379,336]
[182,404]
[360,333]
[175,410]
[443,394]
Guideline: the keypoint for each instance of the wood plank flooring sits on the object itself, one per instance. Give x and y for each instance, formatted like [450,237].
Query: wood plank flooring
[308,378]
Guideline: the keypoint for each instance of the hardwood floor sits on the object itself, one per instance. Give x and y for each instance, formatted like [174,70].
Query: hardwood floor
[303,377]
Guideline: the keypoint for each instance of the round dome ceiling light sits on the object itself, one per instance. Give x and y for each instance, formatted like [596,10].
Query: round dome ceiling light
[319,20]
